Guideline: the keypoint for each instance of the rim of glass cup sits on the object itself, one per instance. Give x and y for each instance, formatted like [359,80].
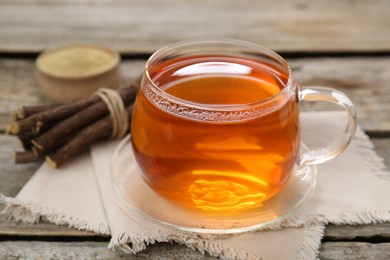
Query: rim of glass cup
[218,107]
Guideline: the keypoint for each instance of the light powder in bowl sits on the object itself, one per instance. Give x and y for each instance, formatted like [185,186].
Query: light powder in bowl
[76,71]
[76,61]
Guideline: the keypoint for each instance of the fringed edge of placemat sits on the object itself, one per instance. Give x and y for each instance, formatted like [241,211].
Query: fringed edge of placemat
[29,212]
[133,243]
[311,241]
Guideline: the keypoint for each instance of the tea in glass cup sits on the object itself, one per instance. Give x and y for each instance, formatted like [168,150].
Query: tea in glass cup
[215,125]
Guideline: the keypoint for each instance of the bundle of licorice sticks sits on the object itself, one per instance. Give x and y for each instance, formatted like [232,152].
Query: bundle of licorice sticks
[60,131]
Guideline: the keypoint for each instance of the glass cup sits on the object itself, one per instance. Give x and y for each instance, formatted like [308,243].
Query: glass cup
[215,125]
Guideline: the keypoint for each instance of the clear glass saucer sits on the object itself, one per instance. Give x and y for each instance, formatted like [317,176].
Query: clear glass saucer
[136,197]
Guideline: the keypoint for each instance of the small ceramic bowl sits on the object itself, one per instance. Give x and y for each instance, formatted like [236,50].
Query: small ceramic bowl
[76,71]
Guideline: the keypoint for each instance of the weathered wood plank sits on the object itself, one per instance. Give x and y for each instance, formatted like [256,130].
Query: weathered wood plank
[365,81]
[91,250]
[13,228]
[382,147]
[143,26]
[380,231]
[354,250]
[12,177]
[332,232]
[98,250]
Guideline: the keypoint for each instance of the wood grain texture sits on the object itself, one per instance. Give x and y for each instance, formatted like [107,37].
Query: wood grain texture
[332,232]
[143,26]
[13,228]
[12,177]
[382,147]
[354,250]
[91,250]
[374,231]
[364,80]
[98,250]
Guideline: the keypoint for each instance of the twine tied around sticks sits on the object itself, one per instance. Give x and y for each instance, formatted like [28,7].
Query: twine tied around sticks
[117,109]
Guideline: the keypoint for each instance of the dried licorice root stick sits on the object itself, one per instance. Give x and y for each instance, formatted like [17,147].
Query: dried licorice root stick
[26,111]
[47,140]
[59,143]
[27,157]
[25,139]
[38,120]
[99,130]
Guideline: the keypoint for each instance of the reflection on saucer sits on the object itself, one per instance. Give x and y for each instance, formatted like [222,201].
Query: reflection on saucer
[136,197]
[223,195]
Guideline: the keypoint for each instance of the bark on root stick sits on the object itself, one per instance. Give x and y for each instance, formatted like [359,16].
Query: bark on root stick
[26,111]
[48,140]
[38,120]
[26,157]
[99,130]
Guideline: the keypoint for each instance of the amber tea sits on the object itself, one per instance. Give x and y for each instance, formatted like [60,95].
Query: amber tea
[204,162]
[215,131]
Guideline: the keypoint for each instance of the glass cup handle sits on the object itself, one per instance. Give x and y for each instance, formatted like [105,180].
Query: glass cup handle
[321,155]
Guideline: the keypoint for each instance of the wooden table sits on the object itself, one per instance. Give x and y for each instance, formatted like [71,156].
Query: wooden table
[342,44]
